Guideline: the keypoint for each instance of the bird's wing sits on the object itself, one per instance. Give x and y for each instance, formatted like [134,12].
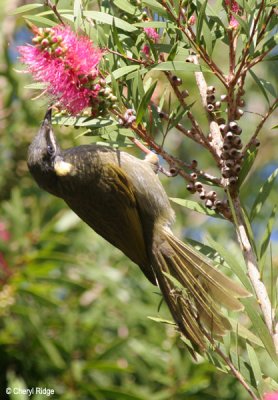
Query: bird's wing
[111,210]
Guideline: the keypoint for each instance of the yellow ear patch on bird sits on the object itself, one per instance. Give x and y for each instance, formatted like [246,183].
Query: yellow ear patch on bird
[63,168]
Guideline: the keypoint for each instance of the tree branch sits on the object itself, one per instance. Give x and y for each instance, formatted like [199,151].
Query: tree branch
[253,270]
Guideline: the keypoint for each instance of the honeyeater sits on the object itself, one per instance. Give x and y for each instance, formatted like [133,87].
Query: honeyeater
[121,198]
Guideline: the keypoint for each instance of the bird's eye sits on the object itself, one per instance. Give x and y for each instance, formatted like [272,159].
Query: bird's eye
[50,149]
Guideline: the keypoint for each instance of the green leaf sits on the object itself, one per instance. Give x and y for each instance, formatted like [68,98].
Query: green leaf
[247,165]
[173,52]
[270,43]
[93,123]
[123,71]
[232,262]
[36,86]
[110,20]
[245,333]
[207,34]
[265,86]
[77,14]
[271,3]
[194,206]
[40,20]
[178,66]
[255,368]
[155,6]
[266,236]
[162,320]
[115,394]
[245,6]
[260,328]
[154,24]
[143,105]
[200,21]
[126,7]
[47,344]
[263,195]
[26,8]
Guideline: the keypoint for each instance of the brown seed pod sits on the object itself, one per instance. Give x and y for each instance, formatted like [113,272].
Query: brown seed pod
[194,176]
[226,172]
[210,89]
[209,203]
[194,164]
[230,163]
[233,180]
[227,146]
[225,155]
[234,153]
[190,187]
[221,121]
[229,136]
[211,195]
[199,186]
[210,107]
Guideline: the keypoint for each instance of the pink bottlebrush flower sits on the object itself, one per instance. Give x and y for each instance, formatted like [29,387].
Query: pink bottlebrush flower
[235,8]
[67,63]
[192,20]
[4,233]
[146,50]
[152,34]
[271,396]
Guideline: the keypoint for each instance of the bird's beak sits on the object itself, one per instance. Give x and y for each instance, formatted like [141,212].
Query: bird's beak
[47,117]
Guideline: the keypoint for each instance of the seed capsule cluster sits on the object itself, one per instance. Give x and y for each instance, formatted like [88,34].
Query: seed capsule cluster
[231,151]
[212,104]
[104,100]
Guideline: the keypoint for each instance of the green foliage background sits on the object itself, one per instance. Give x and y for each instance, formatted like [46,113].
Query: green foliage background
[74,311]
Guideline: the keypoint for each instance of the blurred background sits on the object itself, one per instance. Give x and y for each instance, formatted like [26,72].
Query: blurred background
[73,310]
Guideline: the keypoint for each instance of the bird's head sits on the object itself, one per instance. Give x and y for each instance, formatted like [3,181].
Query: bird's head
[44,148]
[42,154]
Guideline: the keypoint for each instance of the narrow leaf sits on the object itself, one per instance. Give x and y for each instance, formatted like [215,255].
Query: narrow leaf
[155,6]
[194,206]
[178,66]
[245,333]
[232,262]
[26,8]
[77,13]
[200,21]
[110,20]
[247,165]
[162,320]
[266,237]
[263,85]
[173,52]
[255,367]
[263,195]
[123,71]
[260,328]
[143,105]
[126,6]
[40,20]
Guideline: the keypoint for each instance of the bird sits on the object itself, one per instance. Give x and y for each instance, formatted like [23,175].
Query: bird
[122,199]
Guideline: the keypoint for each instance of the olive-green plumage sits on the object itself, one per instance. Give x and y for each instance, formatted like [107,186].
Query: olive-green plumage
[122,199]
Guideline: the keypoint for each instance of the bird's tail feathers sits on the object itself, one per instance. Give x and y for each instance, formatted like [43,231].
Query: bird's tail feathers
[194,290]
